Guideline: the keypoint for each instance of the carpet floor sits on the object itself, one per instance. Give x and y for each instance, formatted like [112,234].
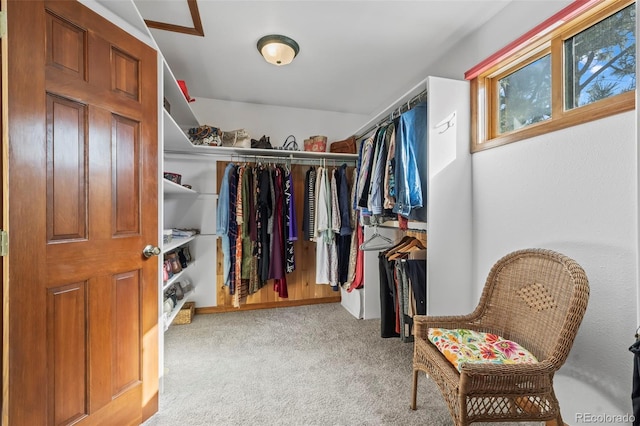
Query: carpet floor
[308,365]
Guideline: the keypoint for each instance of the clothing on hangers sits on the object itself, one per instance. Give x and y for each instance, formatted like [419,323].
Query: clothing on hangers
[291,230]
[309,213]
[402,288]
[411,150]
[222,222]
[262,227]
[392,169]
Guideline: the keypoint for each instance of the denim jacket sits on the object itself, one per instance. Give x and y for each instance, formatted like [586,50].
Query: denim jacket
[411,139]
[222,222]
[222,219]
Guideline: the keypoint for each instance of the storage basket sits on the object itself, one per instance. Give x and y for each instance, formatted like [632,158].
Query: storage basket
[316,144]
[185,316]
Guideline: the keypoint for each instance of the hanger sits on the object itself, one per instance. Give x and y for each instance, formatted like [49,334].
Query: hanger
[397,246]
[366,245]
[403,252]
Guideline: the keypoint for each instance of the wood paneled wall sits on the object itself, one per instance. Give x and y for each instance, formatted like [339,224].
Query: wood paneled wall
[301,283]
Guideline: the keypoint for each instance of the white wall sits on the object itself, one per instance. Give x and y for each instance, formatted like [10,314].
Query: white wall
[275,121]
[509,24]
[574,191]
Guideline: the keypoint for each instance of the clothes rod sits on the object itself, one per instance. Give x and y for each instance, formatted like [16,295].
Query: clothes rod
[292,158]
[414,226]
[418,90]
[270,159]
[404,107]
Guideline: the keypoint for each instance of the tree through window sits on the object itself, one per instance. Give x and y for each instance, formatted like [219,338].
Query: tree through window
[525,96]
[601,60]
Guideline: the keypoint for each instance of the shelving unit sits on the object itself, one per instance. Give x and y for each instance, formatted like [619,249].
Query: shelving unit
[166,248]
[178,200]
[449,207]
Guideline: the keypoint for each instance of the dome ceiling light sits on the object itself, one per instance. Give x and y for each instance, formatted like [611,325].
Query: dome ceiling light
[278,49]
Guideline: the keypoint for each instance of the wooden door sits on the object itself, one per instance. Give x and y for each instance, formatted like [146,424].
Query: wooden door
[82,323]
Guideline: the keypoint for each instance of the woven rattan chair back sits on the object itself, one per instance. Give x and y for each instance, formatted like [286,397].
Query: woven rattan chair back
[535,297]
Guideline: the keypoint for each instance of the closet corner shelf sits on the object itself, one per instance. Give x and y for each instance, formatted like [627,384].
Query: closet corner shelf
[174,312]
[173,188]
[176,242]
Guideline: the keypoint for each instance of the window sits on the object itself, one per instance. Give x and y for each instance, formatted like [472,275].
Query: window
[601,60]
[524,96]
[582,70]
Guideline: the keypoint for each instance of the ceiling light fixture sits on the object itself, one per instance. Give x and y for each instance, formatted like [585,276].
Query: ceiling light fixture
[278,49]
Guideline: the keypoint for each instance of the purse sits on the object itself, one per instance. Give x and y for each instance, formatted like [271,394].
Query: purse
[262,143]
[236,139]
[205,135]
[290,144]
[347,146]
[316,144]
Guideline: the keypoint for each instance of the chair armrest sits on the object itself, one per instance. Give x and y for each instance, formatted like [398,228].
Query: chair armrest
[423,323]
[507,378]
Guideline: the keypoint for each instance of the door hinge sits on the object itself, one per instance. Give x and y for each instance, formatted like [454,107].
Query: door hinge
[4,243]
[3,23]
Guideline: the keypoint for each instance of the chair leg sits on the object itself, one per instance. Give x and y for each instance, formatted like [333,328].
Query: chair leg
[414,389]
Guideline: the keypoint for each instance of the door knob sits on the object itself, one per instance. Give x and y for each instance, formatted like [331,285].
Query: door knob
[150,250]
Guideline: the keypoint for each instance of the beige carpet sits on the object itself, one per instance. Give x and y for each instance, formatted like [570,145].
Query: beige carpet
[310,365]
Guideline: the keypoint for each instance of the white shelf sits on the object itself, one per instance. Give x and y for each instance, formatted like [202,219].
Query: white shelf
[174,137]
[411,225]
[176,141]
[180,110]
[173,279]
[176,242]
[174,312]
[172,188]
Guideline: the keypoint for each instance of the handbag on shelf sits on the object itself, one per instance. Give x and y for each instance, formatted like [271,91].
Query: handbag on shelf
[316,144]
[290,144]
[205,135]
[262,143]
[236,139]
[347,146]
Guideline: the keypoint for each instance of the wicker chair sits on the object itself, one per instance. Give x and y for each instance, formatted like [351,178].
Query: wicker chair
[534,297]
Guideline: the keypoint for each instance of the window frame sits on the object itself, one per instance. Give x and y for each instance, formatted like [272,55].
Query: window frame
[484,92]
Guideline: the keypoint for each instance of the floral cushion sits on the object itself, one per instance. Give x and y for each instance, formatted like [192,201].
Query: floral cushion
[460,346]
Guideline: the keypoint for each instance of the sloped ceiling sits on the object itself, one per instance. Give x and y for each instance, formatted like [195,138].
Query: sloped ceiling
[354,55]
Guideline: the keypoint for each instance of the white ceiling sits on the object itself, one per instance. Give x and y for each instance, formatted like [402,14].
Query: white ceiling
[354,55]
